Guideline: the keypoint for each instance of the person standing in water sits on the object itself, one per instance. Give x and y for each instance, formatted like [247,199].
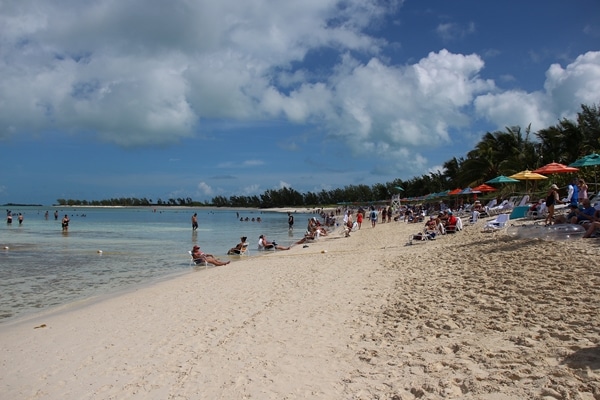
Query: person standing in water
[194,221]
[65,223]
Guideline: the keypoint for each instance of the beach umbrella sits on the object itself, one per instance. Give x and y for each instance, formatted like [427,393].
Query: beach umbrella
[591,160]
[528,175]
[502,179]
[469,190]
[484,188]
[555,168]
[399,188]
[588,161]
[455,192]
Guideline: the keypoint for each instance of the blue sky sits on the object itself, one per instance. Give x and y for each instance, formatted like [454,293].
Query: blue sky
[157,99]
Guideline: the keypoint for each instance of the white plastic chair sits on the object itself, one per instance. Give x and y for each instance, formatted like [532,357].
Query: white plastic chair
[498,223]
[194,262]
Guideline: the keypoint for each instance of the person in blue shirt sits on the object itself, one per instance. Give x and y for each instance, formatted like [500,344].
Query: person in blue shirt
[573,194]
[586,213]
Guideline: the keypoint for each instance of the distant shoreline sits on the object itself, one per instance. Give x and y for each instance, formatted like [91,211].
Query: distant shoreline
[294,210]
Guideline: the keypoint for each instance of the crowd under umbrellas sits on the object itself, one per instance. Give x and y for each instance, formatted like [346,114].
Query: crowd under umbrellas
[591,160]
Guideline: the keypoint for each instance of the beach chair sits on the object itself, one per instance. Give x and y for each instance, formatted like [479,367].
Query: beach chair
[199,262]
[474,217]
[244,251]
[458,226]
[524,201]
[497,224]
[420,237]
[541,212]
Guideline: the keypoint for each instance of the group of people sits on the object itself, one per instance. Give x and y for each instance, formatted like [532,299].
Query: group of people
[444,222]
[580,209]
[314,230]
[21,218]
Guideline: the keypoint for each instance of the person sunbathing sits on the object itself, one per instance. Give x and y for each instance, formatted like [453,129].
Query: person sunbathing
[431,227]
[239,248]
[200,257]
[264,244]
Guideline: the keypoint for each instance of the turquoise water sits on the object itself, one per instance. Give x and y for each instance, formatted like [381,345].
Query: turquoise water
[42,267]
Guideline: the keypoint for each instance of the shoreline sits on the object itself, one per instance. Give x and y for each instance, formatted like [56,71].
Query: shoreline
[469,315]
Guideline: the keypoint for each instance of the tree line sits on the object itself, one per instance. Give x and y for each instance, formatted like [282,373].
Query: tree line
[497,153]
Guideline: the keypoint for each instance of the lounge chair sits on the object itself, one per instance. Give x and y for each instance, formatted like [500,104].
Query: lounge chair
[497,224]
[244,251]
[197,261]
[541,212]
[420,237]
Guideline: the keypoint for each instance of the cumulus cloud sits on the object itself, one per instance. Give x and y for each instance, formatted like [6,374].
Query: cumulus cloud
[205,189]
[565,89]
[146,73]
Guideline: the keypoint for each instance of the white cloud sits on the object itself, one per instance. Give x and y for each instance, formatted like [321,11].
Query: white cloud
[205,189]
[242,164]
[156,68]
[384,110]
[450,31]
[564,91]
[251,190]
[145,73]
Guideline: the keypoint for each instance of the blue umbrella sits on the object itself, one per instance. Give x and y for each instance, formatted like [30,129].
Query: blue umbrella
[587,161]
[591,160]
[502,179]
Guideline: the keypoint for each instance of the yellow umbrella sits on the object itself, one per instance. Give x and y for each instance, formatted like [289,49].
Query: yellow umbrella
[528,175]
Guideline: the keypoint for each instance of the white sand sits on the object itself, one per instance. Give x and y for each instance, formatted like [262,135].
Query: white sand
[469,316]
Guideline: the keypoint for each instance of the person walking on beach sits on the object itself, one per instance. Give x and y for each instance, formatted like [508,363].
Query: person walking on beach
[65,223]
[359,218]
[551,200]
[194,221]
[373,217]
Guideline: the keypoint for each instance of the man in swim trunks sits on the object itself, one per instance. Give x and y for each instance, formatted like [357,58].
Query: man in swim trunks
[194,221]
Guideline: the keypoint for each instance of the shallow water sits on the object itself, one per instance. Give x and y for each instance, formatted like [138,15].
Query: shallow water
[110,249]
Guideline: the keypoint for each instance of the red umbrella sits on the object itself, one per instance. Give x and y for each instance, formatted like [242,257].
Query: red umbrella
[555,168]
[484,188]
[454,192]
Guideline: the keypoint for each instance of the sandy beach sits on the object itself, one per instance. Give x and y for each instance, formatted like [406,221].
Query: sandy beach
[468,316]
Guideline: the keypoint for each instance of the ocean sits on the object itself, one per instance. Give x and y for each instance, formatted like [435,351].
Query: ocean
[107,250]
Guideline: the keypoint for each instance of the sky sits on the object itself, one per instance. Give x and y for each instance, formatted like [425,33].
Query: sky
[201,98]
